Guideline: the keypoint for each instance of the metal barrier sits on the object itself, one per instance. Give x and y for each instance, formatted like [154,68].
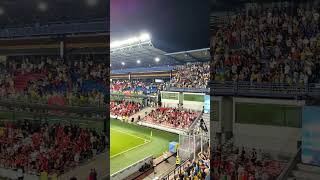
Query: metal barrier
[173,172]
[75,102]
[264,89]
[194,123]
[124,173]
[55,29]
[194,90]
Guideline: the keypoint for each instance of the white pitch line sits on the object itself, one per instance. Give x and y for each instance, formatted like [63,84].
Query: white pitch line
[145,142]
[124,132]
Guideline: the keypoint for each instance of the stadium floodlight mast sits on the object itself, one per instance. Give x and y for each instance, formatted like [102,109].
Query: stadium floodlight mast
[143,38]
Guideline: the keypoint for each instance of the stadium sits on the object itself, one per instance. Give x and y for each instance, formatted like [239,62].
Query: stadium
[157,113]
[265,87]
[159,95]
[54,74]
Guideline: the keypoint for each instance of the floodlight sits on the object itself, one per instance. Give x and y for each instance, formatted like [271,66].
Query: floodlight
[145,37]
[138,61]
[157,59]
[123,63]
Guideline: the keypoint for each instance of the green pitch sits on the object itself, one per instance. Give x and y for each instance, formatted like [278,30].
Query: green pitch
[131,143]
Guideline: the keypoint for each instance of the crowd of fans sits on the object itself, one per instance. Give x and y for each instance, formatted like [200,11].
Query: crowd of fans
[124,108]
[50,148]
[196,169]
[231,163]
[172,117]
[76,83]
[273,45]
[136,87]
[194,75]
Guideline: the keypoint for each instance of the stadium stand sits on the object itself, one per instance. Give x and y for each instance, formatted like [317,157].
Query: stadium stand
[53,89]
[194,75]
[234,163]
[80,83]
[172,117]
[52,148]
[268,45]
[124,108]
[135,87]
[264,55]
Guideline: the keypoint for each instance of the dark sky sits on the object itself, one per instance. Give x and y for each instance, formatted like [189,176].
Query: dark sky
[175,25]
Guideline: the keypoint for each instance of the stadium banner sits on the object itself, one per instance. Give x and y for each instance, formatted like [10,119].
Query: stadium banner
[170,99]
[194,101]
[311,135]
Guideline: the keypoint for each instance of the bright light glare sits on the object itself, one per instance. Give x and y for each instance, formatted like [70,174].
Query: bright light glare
[123,63]
[142,38]
[138,61]
[157,59]
[43,6]
[145,37]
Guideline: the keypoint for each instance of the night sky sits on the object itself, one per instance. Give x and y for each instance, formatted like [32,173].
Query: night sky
[175,25]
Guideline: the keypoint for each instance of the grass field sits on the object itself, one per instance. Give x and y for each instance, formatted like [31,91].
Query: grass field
[131,143]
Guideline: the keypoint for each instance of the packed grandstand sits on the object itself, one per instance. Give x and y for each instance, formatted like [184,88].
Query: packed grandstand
[79,83]
[53,90]
[53,147]
[274,45]
[265,73]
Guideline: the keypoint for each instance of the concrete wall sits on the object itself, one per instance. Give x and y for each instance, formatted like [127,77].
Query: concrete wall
[197,106]
[169,103]
[270,138]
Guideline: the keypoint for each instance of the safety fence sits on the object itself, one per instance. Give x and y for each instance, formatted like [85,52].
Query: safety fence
[264,89]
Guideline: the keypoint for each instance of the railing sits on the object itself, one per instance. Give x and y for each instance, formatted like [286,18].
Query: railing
[264,89]
[291,165]
[194,123]
[117,93]
[44,101]
[169,175]
[54,29]
[194,90]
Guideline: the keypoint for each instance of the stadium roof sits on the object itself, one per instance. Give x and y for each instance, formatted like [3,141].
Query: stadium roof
[137,52]
[191,56]
[19,13]
[140,52]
